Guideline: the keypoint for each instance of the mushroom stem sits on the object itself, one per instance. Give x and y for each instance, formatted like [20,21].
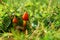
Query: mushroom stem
[24,23]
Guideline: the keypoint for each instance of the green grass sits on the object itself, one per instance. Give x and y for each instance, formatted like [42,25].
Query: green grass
[38,34]
[43,24]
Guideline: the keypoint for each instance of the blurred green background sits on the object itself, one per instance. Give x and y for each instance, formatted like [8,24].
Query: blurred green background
[44,18]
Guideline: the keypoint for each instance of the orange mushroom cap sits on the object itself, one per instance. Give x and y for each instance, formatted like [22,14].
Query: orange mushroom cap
[25,16]
[15,20]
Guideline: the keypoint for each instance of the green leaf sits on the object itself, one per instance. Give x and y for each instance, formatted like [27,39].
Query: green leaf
[6,21]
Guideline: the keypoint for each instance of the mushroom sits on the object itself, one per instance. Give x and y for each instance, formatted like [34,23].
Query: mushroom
[15,20]
[25,18]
